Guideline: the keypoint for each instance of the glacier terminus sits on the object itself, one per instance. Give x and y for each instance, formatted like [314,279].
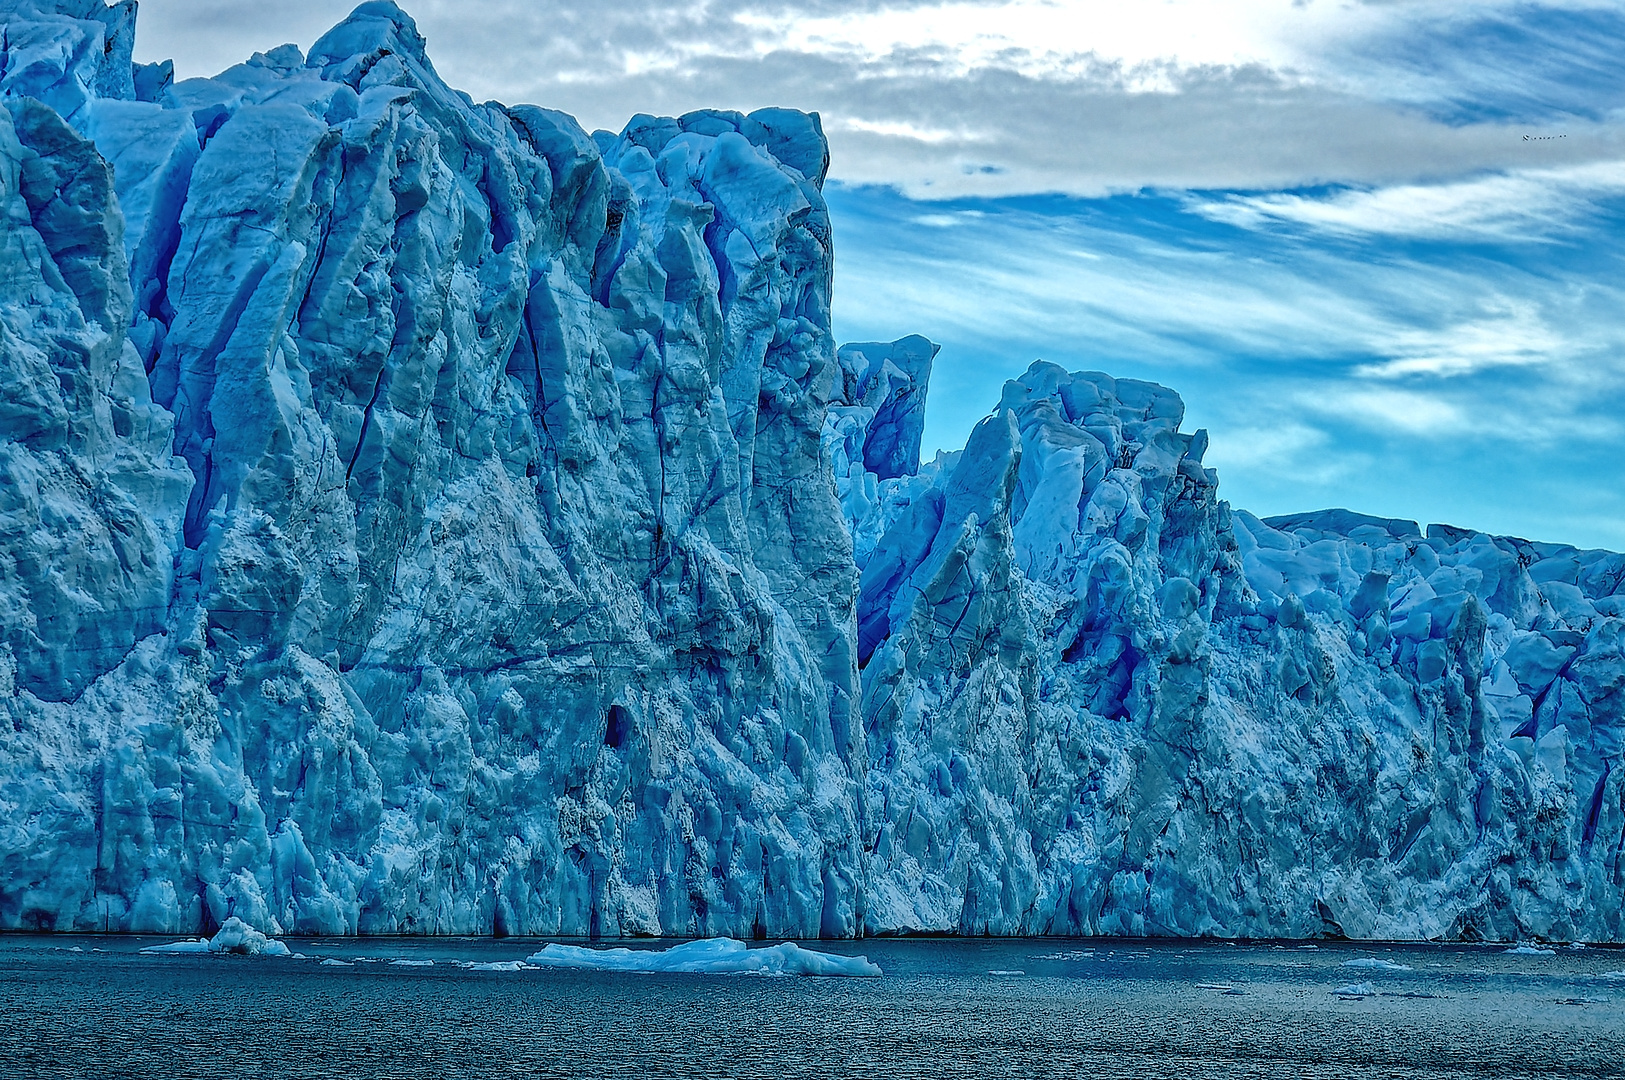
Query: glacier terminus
[420,516]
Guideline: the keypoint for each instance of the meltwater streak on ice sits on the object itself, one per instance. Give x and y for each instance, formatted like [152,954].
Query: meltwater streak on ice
[422,516]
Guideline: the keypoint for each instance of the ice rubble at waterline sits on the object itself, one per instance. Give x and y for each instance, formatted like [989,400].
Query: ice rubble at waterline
[708,956]
[423,516]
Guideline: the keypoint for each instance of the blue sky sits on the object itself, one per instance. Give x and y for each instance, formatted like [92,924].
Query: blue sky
[1375,246]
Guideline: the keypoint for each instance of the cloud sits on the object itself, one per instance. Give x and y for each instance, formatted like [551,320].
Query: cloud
[1288,447]
[1511,333]
[1410,411]
[952,99]
[1523,206]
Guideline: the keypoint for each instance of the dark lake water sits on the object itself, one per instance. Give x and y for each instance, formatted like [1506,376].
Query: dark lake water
[945,1008]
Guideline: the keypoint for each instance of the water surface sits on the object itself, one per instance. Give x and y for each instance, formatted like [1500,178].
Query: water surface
[945,1008]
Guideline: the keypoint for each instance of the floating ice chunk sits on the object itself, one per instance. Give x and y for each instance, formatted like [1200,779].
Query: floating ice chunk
[330,962]
[1003,971]
[1355,990]
[411,963]
[235,936]
[708,956]
[1526,949]
[1372,963]
[503,965]
[196,945]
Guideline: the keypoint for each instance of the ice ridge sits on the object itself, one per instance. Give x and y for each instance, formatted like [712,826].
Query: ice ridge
[424,516]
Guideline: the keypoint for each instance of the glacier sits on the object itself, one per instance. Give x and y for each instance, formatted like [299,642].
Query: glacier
[425,516]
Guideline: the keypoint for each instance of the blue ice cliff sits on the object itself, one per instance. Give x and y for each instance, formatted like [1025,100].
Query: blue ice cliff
[424,516]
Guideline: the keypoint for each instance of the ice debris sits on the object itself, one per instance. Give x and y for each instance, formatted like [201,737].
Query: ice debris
[710,956]
[1525,949]
[426,516]
[1355,990]
[1372,963]
[235,936]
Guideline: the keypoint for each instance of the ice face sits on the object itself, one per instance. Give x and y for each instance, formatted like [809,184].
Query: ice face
[437,536]
[1099,701]
[427,517]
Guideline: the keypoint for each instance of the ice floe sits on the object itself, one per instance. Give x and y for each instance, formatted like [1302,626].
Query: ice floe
[1372,963]
[235,936]
[716,956]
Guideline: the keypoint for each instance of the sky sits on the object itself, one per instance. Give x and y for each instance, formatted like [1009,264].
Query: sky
[1375,245]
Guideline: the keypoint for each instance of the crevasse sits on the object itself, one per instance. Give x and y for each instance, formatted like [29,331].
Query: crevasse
[424,516]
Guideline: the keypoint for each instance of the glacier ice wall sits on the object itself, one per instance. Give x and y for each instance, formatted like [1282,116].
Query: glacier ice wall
[424,516]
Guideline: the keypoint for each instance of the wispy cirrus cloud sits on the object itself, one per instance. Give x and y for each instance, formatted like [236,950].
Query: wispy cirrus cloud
[1521,206]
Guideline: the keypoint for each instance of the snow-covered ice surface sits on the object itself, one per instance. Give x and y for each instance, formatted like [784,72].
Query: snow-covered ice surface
[423,516]
[708,956]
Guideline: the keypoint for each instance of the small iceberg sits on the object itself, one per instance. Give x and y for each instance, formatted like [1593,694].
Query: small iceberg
[330,962]
[411,963]
[502,965]
[709,956]
[1372,963]
[1352,990]
[235,936]
[1523,948]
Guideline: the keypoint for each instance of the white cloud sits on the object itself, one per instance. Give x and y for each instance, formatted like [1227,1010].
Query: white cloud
[898,129]
[1511,333]
[1287,447]
[1413,412]
[1529,205]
